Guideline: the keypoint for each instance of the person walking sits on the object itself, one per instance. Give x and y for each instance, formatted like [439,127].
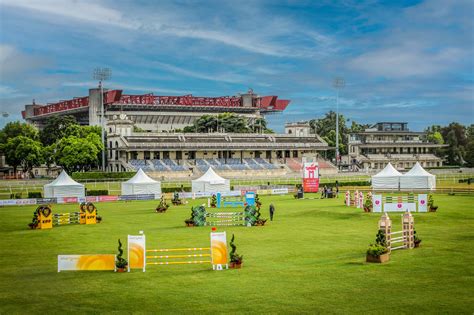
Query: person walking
[272,211]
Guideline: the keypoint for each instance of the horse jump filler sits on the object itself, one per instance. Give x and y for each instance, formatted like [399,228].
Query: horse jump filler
[140,257]
[405,236]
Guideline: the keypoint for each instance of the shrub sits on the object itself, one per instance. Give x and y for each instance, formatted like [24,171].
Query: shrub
[120,262]
[15,196]
[35,194]
[376,250]
[234,257]
[173,189]
[98,192]
[355,183]
[102,175]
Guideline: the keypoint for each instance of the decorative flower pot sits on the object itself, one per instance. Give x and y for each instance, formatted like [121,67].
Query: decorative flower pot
[417,243]
[378,259]
[189,224]
[433,209]
[121,269]
[234,265]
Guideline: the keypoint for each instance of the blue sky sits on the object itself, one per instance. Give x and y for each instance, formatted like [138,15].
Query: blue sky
[401,60]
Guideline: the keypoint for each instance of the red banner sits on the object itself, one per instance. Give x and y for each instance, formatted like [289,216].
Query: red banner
[310,177]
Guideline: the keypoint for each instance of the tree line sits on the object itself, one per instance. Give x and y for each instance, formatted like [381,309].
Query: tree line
[62,142]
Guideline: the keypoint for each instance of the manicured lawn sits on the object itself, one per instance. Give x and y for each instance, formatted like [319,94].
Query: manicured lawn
[309,260]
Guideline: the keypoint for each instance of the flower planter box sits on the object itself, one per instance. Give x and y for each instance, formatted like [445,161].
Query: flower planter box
[417,244]
[234,265]
[378,259]
[433,209]
[121,269]
[189,224]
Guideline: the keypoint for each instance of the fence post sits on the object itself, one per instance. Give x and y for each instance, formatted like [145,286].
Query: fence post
[385,224]
[408,223]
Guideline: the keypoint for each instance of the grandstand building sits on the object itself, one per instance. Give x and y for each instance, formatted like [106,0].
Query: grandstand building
[158,149]
[151,112]
[384,142]
[233,154]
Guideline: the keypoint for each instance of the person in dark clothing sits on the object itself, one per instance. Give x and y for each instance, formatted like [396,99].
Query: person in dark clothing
[272,211]
[337,189]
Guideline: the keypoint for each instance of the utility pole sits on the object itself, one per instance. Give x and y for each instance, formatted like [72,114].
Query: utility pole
[102,74]
[338,84]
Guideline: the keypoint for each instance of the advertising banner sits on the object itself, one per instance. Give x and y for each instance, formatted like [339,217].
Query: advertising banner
[21,202]
[69,200]
[86,262]
[219,250]
[136,252]
[279,191]
[311,177]
[107,198]
[46,200]
[422,203]
[377,203]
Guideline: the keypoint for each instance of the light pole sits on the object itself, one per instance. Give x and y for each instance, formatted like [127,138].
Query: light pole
[102,74]
[338,84]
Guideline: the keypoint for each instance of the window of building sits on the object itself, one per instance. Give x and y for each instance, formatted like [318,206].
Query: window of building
[146,155]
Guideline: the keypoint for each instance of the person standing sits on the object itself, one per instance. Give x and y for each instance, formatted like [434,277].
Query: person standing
[337,189]
[272,211]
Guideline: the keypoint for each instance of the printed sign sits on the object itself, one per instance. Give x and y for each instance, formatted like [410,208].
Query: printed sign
[399,206]
[86,262]
[422,203]
[377,203]
[219,250]
[310,177]
[279,191]
[136,252]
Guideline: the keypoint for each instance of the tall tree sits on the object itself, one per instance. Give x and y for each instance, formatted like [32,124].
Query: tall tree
[15,129]
[25,152]
[58,127]
[326,128]
[75,154]
[455,135]
[469,155]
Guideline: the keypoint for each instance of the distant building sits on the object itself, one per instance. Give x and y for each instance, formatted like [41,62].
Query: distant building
[391,142]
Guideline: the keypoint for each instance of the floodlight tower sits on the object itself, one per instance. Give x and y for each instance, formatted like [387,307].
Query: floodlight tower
[338,84]
[102,74]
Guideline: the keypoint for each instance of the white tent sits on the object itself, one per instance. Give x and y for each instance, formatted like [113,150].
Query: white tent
[141,183]
[63,186]
[388,178]
[210,182]
[417,178]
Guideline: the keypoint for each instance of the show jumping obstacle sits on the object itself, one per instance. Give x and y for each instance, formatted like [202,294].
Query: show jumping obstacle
[139,257]
[248,217]
[405,236]
[46,218]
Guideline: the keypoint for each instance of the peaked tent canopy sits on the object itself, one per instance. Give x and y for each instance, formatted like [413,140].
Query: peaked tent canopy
[417,178]
[210,182]
[140,184]
[388,178]
[64,186]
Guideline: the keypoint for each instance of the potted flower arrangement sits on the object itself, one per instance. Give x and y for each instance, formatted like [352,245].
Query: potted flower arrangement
[34,222]
[213,201]
[121,263]
[416,239]
[163,206]
[176,200]
[235,259]
[368,205]
[431,204]
[378,252]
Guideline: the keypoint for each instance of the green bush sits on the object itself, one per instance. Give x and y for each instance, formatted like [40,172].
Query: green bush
[35,194]
[102,175]
[15,196]
[174,189]
[355,183]
[466,180]
[98,192]
[376,250]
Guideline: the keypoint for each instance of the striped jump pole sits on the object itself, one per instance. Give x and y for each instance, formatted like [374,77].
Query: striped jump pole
[163,259]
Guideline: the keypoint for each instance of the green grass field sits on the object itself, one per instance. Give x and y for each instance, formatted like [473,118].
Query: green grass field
[310,259]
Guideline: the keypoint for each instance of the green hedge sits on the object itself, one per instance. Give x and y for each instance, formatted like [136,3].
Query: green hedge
[466,180]
[355,183]
[173,189]
[102,175]
[15,196]
[98,192]
[35,194]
